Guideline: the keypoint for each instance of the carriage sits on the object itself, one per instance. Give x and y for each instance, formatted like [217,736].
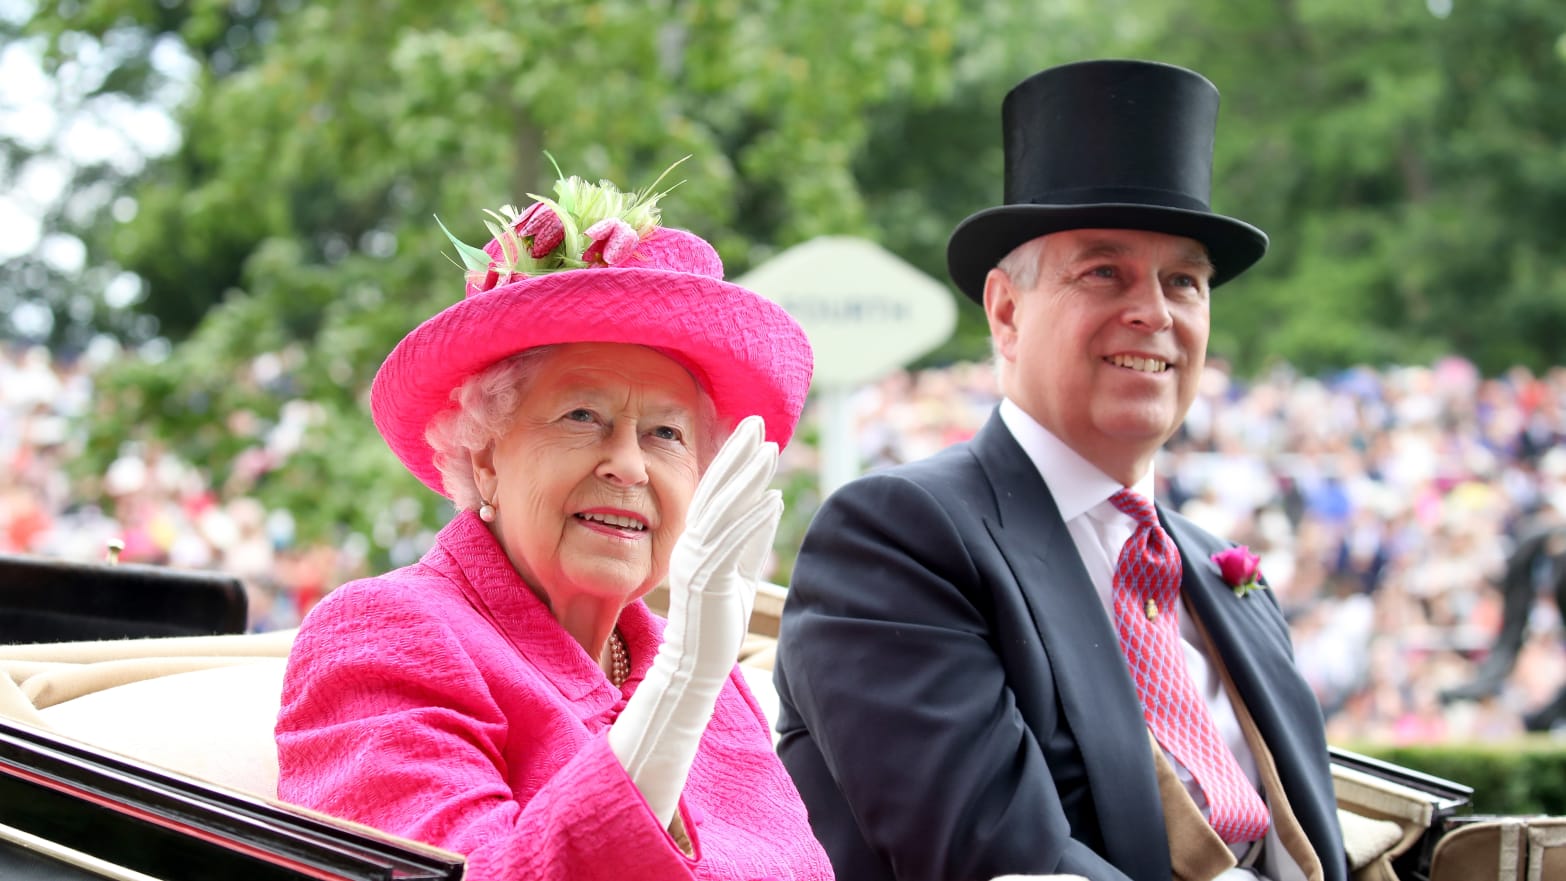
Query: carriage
[136,743]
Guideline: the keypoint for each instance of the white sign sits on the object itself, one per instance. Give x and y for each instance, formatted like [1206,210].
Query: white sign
[865,310]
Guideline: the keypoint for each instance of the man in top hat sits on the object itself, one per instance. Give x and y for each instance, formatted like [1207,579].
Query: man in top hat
[1008,658]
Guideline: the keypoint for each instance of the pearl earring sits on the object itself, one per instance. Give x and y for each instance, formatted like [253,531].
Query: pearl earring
[487,512]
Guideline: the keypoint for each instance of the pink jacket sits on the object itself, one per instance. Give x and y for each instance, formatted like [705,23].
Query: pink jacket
[442,702]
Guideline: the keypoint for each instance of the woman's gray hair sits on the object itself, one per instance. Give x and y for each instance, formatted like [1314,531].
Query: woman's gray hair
[486,408]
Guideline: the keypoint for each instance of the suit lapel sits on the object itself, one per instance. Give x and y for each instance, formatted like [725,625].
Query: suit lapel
[1251,651]
[1240,629]
[1096,693]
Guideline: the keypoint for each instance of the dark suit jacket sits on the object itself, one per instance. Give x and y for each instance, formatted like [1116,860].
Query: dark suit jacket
[955,705]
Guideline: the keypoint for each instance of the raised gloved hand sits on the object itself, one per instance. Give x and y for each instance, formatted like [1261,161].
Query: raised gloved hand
[712,586]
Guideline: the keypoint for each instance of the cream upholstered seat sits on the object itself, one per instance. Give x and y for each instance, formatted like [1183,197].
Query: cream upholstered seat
[213,724]
[201,706]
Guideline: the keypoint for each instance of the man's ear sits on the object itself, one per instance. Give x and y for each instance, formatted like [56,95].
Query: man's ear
[1000,307]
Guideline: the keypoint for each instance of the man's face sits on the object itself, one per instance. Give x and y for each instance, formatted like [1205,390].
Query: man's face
[1105,349]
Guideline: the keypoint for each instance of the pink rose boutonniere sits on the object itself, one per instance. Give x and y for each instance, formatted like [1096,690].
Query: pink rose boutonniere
[1240,569]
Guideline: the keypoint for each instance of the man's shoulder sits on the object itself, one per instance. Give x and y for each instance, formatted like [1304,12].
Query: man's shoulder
[916,505]
[954,469]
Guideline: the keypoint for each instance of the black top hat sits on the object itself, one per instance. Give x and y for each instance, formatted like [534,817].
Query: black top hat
[1111,145]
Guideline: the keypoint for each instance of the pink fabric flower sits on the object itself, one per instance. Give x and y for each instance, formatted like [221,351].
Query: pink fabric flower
[1240,569]
[613,241]
[542,225]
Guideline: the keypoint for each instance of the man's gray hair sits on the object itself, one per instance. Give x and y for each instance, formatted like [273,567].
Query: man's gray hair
[1022,264]
[1022,267]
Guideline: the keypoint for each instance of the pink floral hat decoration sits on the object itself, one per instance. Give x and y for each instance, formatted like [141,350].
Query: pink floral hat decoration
[593,265]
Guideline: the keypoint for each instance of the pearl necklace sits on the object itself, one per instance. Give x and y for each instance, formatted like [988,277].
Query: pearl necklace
[619,659]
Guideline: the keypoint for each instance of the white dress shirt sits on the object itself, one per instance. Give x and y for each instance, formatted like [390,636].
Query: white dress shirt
[1099,529]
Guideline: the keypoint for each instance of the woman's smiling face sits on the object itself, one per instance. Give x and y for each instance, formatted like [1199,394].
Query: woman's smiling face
[592,482]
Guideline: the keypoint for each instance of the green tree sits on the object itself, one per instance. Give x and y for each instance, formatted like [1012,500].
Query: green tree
[296,217]
[1408,165]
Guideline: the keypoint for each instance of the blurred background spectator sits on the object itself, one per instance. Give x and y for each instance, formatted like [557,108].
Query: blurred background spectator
[164,509]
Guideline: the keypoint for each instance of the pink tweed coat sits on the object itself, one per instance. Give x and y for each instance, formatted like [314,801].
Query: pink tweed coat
[442,702]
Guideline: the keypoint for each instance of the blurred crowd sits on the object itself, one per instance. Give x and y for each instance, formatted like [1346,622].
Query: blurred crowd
[164,510]
[1384,504]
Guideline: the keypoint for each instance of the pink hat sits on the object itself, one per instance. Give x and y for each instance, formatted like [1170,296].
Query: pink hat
[592,265]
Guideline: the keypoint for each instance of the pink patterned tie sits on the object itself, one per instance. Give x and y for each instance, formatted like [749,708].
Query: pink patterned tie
[1147,614]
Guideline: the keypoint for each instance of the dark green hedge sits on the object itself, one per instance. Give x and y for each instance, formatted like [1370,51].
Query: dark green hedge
[1523,776]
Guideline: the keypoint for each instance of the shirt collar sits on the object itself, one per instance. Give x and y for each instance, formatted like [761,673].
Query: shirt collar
[1076,484]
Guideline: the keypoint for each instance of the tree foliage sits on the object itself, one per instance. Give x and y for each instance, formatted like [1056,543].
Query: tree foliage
[297,215]
[1409,167]
[1407,164]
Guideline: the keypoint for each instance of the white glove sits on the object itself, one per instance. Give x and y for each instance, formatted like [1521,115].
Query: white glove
[712,586]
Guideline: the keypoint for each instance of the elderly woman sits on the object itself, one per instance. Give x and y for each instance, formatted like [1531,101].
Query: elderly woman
[509,697]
